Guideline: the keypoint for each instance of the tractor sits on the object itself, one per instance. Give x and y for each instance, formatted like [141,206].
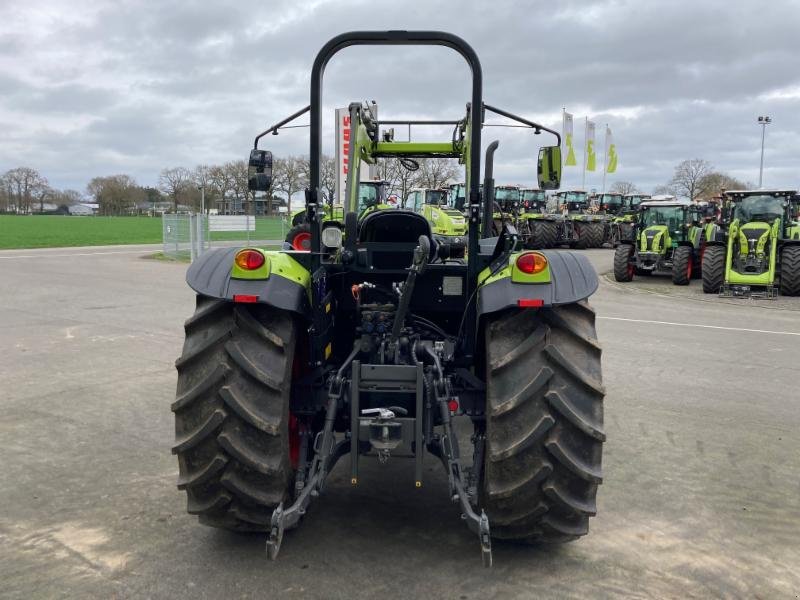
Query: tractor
[622,224]
[448,224]
[760,255]
[506,207]
[372,195]
[542,225]
[580,228]
[609,204]
[668,237]
[374,347]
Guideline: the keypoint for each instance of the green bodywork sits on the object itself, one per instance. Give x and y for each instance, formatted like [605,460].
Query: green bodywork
[510,270]
[277,263]
[435,205]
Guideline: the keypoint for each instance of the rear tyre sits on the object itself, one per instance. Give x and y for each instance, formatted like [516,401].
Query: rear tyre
[232,413]
[790,271]
[590,235]
[713,268]
[682,265]
[623,267]
[543,234]
[299,237]
[544,424]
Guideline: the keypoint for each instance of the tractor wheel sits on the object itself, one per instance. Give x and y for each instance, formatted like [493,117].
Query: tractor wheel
[544,424]
[232,422]
[543,234]
[713,268]
[790,271]
[299,237]
[590,235]
[682,258]
[623,267]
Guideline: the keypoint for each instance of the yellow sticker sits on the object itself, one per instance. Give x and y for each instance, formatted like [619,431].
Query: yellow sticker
[328,351]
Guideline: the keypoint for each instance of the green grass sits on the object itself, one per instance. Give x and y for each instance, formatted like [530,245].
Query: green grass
[59,231]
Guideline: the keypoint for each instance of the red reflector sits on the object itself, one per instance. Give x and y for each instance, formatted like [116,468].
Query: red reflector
[530,302]
[247,298]
[452,405]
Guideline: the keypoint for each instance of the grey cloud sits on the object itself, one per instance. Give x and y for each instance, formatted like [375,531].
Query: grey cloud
[189,82]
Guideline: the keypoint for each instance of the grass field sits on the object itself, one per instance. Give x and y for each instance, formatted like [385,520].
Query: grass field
[58,231]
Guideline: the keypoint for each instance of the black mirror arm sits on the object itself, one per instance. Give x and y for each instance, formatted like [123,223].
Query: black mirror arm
[535,126]
[274,129]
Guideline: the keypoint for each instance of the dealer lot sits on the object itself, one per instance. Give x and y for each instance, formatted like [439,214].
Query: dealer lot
[701,495]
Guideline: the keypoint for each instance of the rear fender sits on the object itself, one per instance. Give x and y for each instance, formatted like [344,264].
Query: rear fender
[284,282]
[568,278]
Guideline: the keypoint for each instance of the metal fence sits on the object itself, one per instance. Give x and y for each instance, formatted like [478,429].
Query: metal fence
[189,236]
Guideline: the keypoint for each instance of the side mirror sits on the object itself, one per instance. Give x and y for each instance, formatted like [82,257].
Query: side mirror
[259,171]
[549,167]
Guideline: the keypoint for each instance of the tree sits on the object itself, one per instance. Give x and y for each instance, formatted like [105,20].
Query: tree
[115,194]
[623,187]
[665,189]
[174,183]
[688,175]
[23,185]
[290,176]
[712,184]
[435,172]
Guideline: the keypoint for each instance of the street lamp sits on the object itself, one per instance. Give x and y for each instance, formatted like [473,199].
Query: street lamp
[763,121]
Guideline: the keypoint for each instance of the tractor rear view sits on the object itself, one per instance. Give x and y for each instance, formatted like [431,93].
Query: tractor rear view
[542,226]
[761,255]
[581,228]
[373,344]
[668,238]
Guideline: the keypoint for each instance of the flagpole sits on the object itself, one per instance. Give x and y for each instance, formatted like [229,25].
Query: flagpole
[605,161]
[564,148]
[585,149]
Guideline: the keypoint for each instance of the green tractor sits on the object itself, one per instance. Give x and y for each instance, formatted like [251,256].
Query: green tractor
[760,255]
[542,226]
[372,347]
[622,225]
[372,195]
[506,206]
[668,237]
[580,228]
[609,204]
[449,225]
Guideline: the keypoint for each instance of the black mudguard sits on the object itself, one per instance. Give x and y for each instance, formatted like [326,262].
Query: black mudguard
[210,275]
[572,279]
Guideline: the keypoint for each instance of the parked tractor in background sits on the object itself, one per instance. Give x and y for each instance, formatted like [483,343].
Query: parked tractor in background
[506,207]
[580,228]
[668,238]
[609,205]
[370,346]
[760,254]
[542,226]
[372,195]
[448,224]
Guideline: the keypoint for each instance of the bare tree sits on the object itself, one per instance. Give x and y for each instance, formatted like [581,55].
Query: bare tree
[201,176]
[688,175]
[623,187]
[289,176]
[23,185]
[174,183]
[327,176]
[665,189]
[435,172]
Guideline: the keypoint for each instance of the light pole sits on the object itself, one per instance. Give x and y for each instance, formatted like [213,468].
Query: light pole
[763,121]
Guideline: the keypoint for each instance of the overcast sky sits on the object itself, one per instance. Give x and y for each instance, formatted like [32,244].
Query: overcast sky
[98,88]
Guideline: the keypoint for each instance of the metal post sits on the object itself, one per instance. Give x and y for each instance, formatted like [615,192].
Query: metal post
[585,147]
[192,236]
[763,121]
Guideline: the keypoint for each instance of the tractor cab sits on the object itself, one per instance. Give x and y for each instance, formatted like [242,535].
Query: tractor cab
[666,223]
[507,198]
[373,195]
[533,200]
[610,203]
[631,202]
[572,202]
[456,195]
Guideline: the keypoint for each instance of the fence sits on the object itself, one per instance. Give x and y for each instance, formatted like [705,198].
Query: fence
[189,236]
